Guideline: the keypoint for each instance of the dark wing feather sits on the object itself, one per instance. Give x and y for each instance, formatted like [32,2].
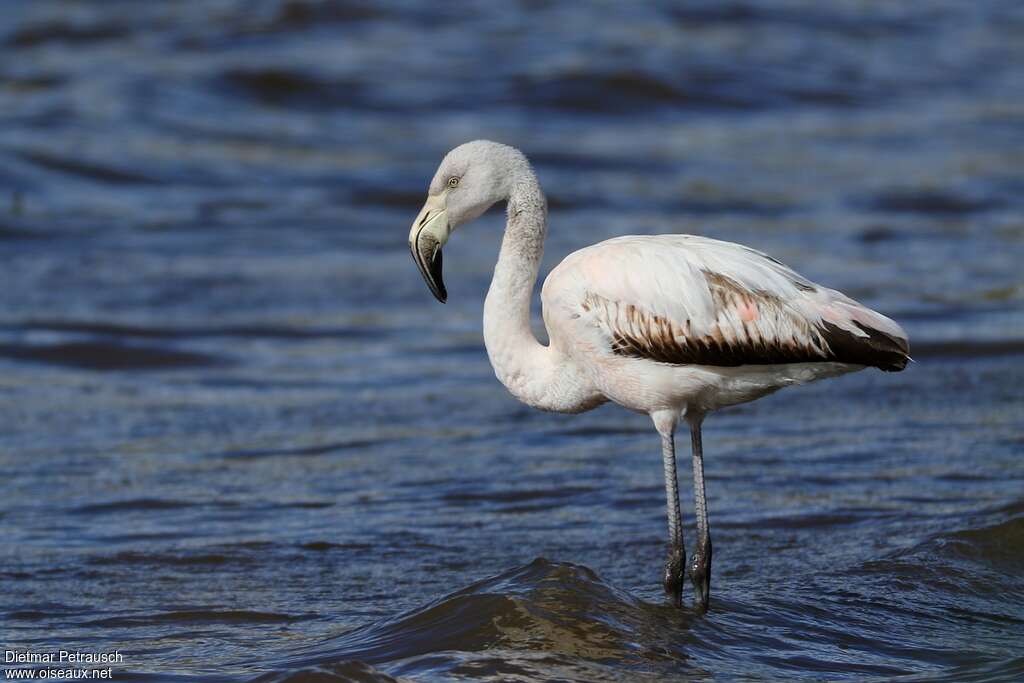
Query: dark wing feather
[750,328]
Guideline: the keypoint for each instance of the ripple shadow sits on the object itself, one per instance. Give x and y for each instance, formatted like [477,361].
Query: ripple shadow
[89,355]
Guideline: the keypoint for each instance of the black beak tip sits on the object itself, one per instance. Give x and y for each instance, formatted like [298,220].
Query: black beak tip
[427,256]
[436,279]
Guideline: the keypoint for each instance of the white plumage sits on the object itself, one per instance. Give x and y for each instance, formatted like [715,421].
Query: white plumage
[674,326]
[694,299]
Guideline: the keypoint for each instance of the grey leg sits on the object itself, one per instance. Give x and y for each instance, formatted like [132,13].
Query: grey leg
[676,559]
[700,565]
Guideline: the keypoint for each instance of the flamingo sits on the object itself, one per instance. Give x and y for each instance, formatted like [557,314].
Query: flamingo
[674,326]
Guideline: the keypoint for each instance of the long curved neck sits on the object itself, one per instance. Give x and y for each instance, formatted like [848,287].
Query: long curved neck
[537,375]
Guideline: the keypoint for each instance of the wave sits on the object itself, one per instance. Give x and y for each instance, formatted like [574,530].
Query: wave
[539,621]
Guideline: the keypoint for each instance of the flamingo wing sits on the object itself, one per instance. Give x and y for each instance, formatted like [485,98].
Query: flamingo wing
[682,299]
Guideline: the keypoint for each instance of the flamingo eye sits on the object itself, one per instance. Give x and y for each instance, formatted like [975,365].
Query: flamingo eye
[453,182]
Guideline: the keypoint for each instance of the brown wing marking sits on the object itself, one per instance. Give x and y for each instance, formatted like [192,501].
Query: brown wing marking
[750,328]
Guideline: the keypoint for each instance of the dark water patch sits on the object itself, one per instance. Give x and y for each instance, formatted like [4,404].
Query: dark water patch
[33,35]
[404,539]
[235,382]
[137,504]
[963,476]
[734,14]
[279,86]
[448,482]
[979,616]
[10,232]
[932,203]
[324,546]
[250,331]
[810,520]
[571,160]
[525,509]
[221,133]
[875,234]
[103,356]
[598,430]
[693,206]
[51,226]
[301,505]
[33,610]
[200,616]
[707,207]
[30,84]
[627,92]
[516,496]
[304,14]
[163,536]
[820,94]
[319,449]
[133,557]
[27,615]
[56,572]
[79,167]
[1006,294]
[253,545]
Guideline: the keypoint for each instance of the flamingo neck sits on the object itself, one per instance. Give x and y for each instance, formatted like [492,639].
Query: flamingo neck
[538,375]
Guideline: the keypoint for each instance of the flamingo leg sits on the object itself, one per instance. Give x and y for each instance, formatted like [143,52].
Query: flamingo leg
[676,560]
[700,564]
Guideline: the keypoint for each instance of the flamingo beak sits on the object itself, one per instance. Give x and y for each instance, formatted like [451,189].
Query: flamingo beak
[429,233]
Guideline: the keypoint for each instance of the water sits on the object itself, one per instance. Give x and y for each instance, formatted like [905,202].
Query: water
[239,440]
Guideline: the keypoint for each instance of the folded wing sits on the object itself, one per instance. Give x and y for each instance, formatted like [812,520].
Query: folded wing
[682,299]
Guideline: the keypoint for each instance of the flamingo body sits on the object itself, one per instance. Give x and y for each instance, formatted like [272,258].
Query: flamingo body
[695,324]
[675,326]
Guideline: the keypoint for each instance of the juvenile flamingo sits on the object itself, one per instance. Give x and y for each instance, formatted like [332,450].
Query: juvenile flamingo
[674,326]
